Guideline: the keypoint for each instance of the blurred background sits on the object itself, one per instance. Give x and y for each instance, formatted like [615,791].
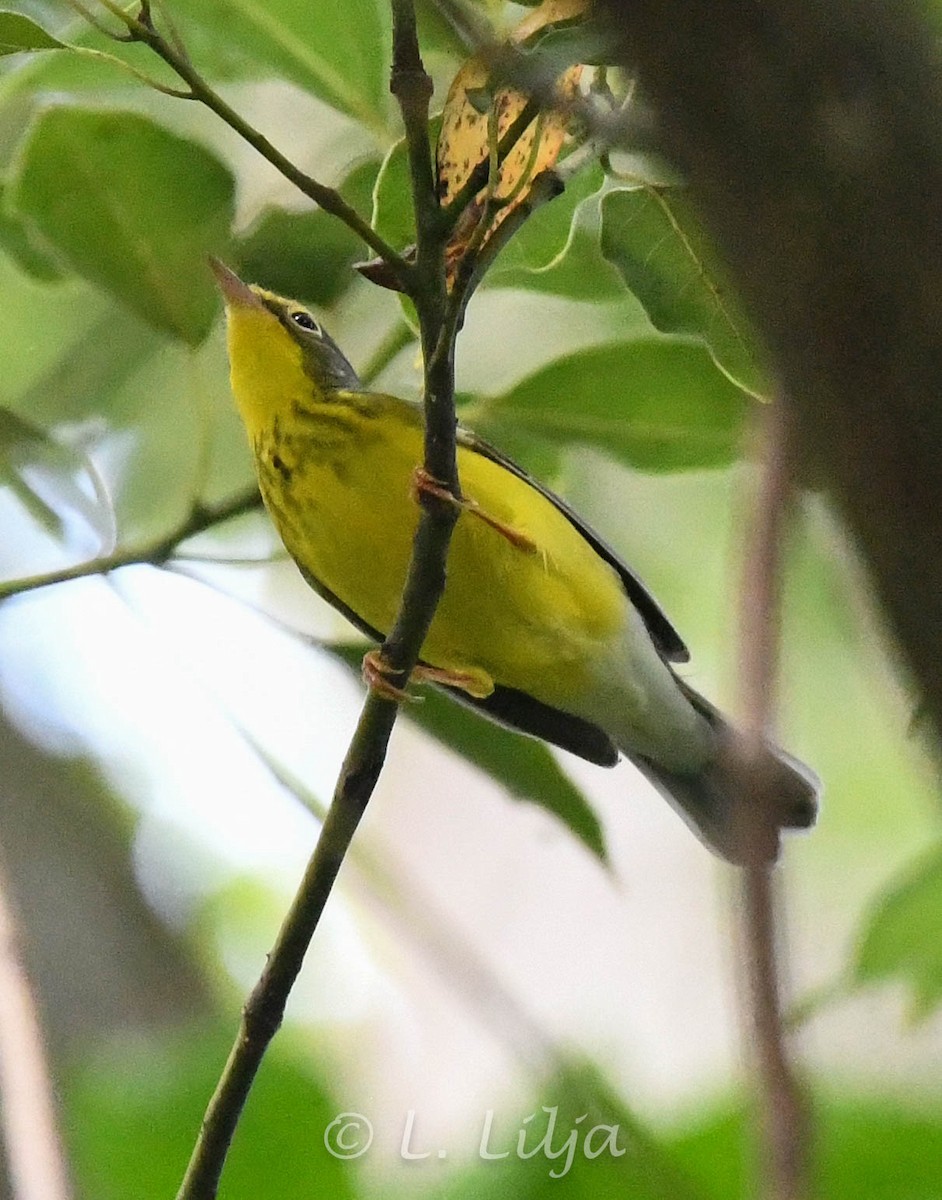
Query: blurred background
[170,734]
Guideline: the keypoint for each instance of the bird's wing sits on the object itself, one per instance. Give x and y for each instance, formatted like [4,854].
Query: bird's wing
[665,637]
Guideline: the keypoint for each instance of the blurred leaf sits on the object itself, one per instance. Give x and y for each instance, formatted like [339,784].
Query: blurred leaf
[653,237]
[523,766]
[654,403]
[590,40]
[307,255]
[60,73]
[878,1149]
[131,207]
[339,52]
[543,459]
[579,272]
[56,484]
[19,33]
[577,1140]
[436,32]
[94,364]
[17,241]
[134,1111]
[901,940]
[869,1147]
[39,77]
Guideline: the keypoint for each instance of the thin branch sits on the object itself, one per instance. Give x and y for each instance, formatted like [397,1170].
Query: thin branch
[412,87]
[415,916]
[424,585]
[33,1147]
[141,29]
[783,1115]
[200,520]
[264,1010]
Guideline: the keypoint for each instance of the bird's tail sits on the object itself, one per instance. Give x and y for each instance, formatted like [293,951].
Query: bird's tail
[720,802]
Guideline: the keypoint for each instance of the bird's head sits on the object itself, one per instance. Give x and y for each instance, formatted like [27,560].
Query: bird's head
[278,352]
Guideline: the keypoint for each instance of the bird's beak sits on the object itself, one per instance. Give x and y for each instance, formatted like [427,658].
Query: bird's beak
[234,291]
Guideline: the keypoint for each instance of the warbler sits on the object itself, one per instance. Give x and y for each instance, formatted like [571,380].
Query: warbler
[541,626]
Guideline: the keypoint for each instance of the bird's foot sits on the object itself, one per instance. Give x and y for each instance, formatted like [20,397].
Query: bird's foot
[377,672]
[422,481]
[474,681]
[376,675]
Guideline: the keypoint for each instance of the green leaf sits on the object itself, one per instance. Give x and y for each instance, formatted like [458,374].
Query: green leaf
[901,940]
[652,236]
[307,255]
[132,208]
[522,765]
[873,1147]
[338,52]
[558,251]
[19,33]
[135,1106]
[542,459]
[437,34]
[18,242]
[653,403]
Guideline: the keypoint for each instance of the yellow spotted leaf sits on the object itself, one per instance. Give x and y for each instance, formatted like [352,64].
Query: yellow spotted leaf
[475,112]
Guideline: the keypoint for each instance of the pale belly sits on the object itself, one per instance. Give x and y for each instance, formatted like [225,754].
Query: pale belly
[540,621]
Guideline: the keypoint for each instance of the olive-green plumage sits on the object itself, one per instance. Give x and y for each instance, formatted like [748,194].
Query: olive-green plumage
[541,626]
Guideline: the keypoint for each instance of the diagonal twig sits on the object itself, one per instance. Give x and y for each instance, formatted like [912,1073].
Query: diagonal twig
[424,585]
[783,1117]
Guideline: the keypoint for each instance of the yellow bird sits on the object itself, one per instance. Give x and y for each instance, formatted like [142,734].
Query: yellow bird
[541,626]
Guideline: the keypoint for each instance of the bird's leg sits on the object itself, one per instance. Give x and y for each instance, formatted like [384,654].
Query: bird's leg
[423,482]
[376,672]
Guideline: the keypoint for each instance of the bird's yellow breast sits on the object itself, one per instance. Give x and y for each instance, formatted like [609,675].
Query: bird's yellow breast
[337,479]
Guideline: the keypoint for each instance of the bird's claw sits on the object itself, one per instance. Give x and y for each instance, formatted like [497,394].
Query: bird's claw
[376,672]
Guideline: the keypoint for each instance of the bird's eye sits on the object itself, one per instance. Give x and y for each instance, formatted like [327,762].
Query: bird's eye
[305,321]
